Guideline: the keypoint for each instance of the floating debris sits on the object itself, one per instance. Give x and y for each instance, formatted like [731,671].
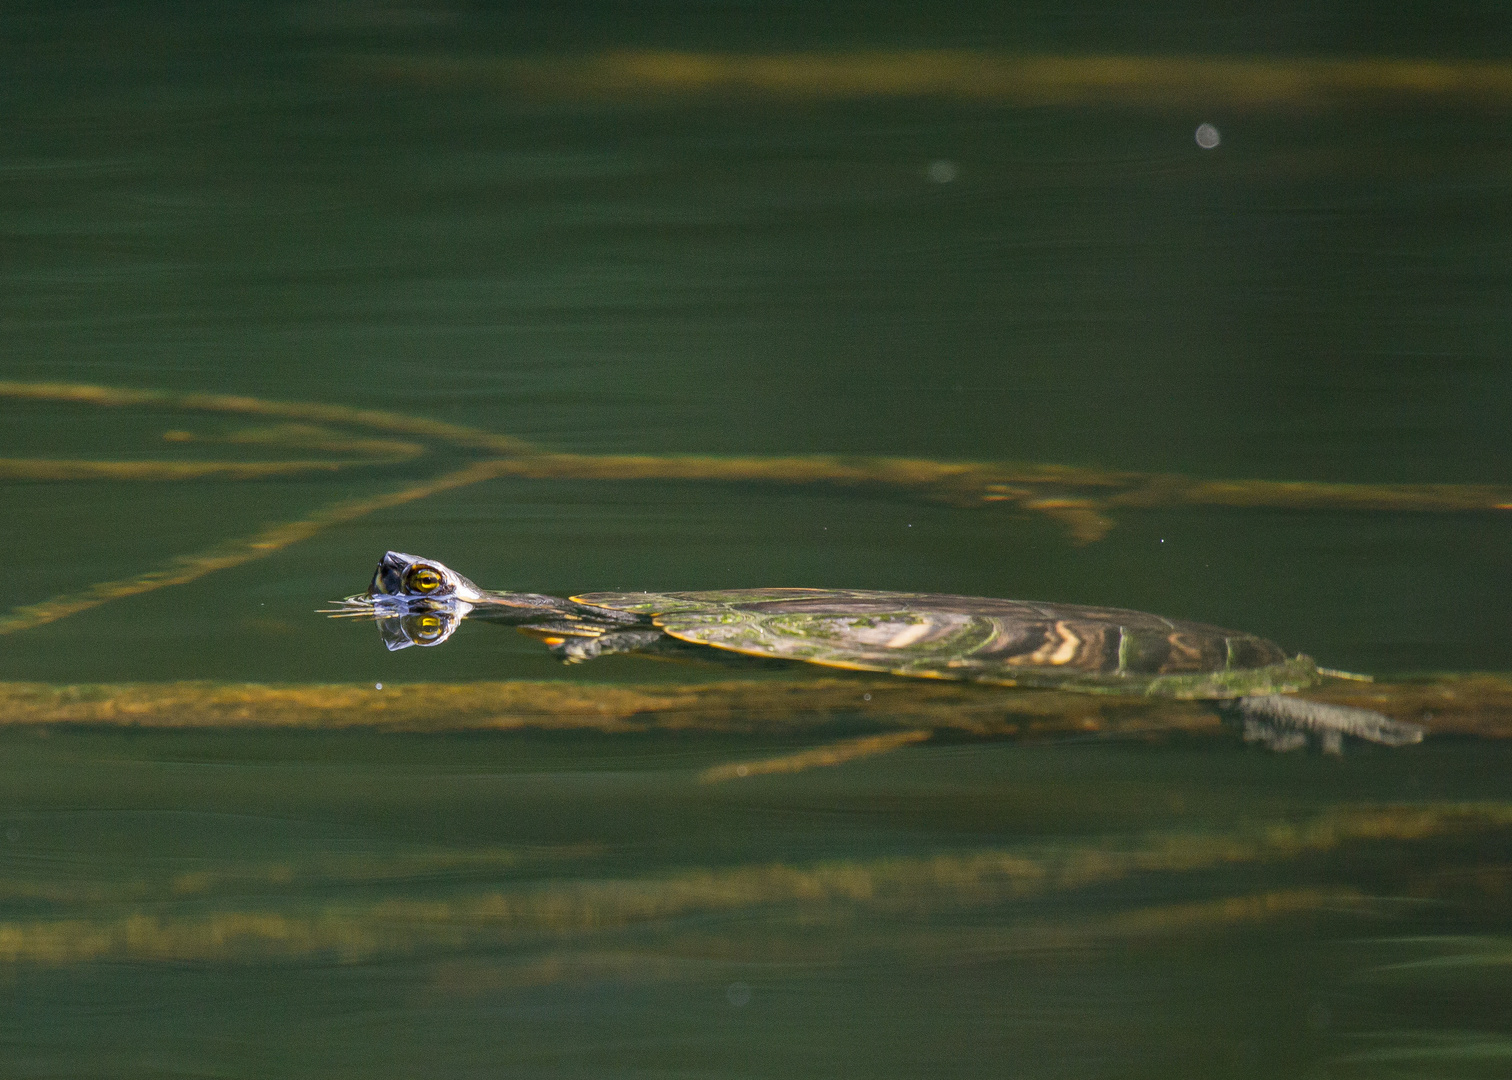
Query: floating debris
[46,470]
[1478,705]
[976,75]
[1080,499]
[832,754]
[217,920]
[371,419]
[187,568]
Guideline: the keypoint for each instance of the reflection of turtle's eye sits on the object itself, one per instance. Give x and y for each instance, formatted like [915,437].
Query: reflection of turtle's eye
[428,627]
[422,579]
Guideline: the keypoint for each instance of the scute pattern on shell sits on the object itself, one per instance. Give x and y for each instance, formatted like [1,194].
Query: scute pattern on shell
[1008,642]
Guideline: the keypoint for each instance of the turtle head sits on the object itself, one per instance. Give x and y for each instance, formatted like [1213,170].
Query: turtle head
[415,601]
[422,602]
[406,577]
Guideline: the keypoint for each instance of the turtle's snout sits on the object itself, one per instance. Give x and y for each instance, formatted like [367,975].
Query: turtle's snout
[388,579]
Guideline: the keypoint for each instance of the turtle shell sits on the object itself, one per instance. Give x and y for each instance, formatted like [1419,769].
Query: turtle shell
[1006,642]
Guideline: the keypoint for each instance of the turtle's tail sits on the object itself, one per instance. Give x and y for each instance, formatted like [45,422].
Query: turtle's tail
[1283,722]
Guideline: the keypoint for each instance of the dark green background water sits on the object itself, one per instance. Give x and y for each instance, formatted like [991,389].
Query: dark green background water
[219,199]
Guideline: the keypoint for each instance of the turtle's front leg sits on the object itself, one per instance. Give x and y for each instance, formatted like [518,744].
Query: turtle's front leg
[1283,722]
[577,649]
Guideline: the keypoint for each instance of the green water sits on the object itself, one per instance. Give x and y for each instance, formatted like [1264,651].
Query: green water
[938,977]
[227,201]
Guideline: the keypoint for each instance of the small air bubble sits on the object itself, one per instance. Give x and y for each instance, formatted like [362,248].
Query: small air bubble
[377,686]
[865,697]
[742,770]
[942,171]
[1207,136]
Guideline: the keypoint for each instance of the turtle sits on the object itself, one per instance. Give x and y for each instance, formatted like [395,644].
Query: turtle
[1017,643]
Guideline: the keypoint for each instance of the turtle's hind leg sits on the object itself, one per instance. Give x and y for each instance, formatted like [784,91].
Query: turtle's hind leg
[577,641]
[1282,722]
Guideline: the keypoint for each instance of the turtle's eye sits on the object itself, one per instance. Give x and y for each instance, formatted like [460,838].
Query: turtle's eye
[423,579]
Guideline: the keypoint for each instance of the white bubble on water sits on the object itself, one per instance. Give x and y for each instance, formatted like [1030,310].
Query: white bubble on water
[1207,136]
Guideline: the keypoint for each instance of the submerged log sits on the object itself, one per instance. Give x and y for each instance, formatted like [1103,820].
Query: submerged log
[1479,705]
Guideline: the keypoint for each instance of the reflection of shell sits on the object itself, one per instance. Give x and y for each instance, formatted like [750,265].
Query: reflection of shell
[1012,642]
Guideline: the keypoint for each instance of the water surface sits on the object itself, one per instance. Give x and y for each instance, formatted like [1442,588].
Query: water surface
[328,203]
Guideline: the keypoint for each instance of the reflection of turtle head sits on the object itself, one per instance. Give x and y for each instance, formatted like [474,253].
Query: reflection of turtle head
[404,576]
[400,630]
